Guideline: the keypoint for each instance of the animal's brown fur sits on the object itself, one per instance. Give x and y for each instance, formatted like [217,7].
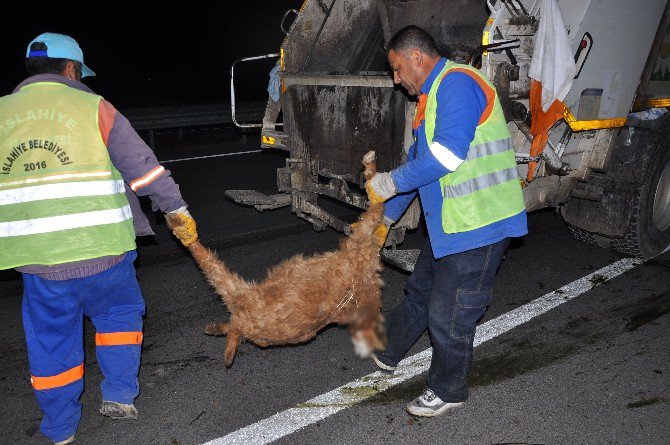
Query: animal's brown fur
[303,294]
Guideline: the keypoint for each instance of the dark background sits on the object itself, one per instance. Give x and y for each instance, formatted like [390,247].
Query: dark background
[147,54]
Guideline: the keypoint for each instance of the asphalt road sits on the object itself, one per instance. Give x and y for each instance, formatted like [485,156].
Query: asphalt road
[592,370]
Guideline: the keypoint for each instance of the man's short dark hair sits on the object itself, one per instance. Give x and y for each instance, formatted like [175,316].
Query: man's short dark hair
[411,37]
[44,65]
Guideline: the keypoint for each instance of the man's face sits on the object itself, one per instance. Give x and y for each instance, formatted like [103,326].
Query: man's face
[406,68]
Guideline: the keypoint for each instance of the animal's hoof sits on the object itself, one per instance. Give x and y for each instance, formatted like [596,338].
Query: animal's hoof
[212,329]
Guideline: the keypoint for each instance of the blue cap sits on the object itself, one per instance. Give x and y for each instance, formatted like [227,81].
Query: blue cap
[60,46]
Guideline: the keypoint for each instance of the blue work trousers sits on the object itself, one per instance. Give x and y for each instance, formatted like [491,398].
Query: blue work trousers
[53,320]
[446,296]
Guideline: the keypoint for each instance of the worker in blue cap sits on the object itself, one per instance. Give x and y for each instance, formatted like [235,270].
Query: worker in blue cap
[73,167]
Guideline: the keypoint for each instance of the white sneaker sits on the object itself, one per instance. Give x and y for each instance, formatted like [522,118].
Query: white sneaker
[383,367]
[66,441]
[429,404]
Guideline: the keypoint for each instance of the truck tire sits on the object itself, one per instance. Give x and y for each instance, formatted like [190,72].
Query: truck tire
[582,235]
[633,216]
[649,230]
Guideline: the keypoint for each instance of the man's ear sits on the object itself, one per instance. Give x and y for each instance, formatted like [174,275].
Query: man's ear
[416,56]
[70,70]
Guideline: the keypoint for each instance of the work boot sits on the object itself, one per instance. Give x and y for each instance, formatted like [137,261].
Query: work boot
[65,441]
[119,411]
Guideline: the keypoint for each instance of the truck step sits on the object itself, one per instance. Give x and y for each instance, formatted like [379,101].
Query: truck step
[402,258]
[259,200]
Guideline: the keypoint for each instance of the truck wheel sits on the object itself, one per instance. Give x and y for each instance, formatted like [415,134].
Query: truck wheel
[649,230]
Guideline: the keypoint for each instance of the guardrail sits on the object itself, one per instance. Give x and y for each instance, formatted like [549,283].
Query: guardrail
[183,116]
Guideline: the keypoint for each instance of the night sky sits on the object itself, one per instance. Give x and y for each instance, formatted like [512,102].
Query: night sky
[145,54]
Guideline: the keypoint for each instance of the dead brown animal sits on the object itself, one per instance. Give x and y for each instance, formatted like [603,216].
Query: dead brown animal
[304,294]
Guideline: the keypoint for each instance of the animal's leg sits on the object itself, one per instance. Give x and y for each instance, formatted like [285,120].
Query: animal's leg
[232,342]
[217,329]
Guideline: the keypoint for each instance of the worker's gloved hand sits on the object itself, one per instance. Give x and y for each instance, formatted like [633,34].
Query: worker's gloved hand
[379,235]
[183,226]
[380,188]
[380,232]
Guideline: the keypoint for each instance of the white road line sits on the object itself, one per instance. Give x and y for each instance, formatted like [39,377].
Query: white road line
[320,407]
[211,156]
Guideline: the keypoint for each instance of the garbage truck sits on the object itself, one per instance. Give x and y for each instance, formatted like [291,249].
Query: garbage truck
[606,163]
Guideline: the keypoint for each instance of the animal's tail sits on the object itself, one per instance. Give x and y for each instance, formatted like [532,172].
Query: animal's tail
[224,281]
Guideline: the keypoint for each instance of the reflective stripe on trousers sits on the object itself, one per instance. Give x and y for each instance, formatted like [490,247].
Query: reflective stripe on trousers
[53,319]
[118,338]
[58,380]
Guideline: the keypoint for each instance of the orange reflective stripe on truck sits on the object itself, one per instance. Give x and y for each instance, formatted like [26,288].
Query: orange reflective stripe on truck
[118,338]
[654,102]
[593,124]
[56,381]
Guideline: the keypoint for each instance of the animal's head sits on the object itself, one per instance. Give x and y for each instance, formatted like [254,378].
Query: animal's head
[368,334]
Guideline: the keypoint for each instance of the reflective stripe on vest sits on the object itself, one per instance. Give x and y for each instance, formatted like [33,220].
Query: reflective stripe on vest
[485,188]
[481,182]
[489,148]
[61,198]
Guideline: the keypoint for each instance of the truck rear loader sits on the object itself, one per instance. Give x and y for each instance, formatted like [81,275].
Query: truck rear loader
[605,167]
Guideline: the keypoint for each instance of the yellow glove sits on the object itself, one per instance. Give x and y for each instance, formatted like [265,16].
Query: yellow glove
[372,196]
[379,235]
[380,188]
[183,226]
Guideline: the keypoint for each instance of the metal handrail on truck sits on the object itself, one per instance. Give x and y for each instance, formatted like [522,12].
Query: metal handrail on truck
[232,90]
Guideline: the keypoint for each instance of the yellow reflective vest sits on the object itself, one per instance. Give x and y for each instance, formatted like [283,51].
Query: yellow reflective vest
[61,199]
[485,188]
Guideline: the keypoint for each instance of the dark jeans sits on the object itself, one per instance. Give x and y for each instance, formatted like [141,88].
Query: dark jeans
[446,296]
